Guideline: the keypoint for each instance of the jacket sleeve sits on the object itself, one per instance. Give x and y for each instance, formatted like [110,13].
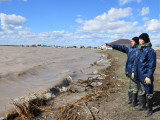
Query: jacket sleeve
[134,65]
[121,48]
[133,69]
[151,63]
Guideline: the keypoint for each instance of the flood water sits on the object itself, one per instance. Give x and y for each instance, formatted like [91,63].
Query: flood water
[28,69]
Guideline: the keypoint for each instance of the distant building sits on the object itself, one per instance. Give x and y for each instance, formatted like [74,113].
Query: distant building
[125,42]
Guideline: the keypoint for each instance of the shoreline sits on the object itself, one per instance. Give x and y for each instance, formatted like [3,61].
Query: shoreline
[79,94]
[27,70]
[49,93]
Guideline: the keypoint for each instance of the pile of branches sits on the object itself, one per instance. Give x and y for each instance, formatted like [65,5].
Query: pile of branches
[26,110]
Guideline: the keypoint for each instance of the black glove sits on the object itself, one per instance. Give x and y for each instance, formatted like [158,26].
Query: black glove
[127,75]
[107,44]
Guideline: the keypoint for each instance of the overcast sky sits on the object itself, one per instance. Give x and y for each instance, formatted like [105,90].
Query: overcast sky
[77,22]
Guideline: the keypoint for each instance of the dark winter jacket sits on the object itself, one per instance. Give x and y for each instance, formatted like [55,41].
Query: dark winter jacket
[130,51]
[145,63]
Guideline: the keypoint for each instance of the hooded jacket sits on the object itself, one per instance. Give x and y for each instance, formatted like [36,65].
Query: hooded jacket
[131,53]
[145,62]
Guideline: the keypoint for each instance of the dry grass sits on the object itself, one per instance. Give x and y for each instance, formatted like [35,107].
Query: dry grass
[26,110]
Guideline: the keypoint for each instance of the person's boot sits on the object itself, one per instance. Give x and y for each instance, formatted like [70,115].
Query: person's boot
[142,103]
[149,107]
[134,100]
[129,98]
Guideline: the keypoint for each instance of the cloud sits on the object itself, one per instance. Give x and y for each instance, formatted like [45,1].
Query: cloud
[114,14]
[25,0]
[109,22]
[79,20]
[145,11]
[102,28]
[9,23]
[153,25]
[123,2]
[155,38]
[145,18]
[12,19]
[79,15]
[13,32]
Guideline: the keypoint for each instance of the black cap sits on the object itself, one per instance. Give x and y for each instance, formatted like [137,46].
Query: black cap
[136,39]
[145,37]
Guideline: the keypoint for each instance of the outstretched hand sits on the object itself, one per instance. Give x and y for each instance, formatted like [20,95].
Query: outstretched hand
[107,44]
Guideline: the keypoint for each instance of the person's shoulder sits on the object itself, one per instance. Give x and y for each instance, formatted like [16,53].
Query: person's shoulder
[151,50]
[130,47]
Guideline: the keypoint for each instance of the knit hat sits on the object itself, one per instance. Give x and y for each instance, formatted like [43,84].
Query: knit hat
[136,39]
[145,37]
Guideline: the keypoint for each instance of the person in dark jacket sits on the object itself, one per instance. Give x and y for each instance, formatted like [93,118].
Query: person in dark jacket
[143,69]
[130,51]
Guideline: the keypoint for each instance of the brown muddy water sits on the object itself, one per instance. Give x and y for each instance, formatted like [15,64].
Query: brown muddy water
[24,70]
